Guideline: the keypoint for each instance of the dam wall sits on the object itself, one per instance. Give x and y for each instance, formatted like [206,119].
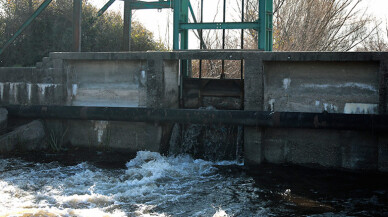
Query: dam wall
[349,83]
[318,82]
[138,80]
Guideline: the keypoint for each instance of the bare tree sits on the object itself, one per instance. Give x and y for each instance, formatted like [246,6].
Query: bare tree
[315,25]
[378,41]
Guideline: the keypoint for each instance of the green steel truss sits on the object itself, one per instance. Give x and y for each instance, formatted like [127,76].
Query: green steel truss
[181,21]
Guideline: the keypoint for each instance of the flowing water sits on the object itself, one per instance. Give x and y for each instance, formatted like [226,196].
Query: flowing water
[155,185]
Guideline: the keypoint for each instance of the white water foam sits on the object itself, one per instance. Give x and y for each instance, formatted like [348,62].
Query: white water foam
[151,185]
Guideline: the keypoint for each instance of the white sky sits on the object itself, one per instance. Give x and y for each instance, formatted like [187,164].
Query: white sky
[157,21]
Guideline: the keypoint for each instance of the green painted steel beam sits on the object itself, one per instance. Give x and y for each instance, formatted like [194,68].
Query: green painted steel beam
[192,13]
[184,18]
[229,25]
[151,5]
[77,20]
[265,20]
[195,21]
[126,45]
[175,37]
[269,25]
[26,24]
[106,6]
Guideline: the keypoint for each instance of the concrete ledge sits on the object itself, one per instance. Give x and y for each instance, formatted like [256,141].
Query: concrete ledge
[227,55]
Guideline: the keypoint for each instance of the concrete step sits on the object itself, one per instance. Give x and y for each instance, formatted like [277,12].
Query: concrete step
[39,65]
[47,62]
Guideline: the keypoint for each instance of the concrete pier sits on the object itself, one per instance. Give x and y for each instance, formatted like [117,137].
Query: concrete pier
[344,83]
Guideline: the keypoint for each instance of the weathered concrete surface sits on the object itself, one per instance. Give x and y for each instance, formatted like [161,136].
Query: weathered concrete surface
[139,81]
[105,135]
[300,147]
[383,153]
[253,146]
[25,138]
[339,87]
[316,82]
[3,120]
[170,82]
[328,148]
[254,100]
[121,83]
[43,84]
[359,150]
[99,83]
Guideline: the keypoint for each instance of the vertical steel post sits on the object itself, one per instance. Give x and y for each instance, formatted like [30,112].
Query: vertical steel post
[223,40]
[269,24]
[242,37]
[265,26]
[184,18]
[126,46]
[242,20]
[242,61]
[202,42]
[261,32]
[77,19]
[176,24]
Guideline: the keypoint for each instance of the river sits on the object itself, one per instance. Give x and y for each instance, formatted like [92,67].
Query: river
[155,185]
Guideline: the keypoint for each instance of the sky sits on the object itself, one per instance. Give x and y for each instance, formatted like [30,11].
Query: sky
[160,22]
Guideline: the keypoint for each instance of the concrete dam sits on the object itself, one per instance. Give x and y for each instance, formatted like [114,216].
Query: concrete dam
[305,108]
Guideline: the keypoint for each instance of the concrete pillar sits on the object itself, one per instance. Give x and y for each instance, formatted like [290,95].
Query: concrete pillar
[254,98]
[383,153]
[3,120]
[155,83]
[77,18]
[60,92]
[359,150]
[383,104]
[383,86]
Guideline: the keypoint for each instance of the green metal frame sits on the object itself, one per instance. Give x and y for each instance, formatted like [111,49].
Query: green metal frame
[265,25]
[181,22]
[26,24]
[181,25]
[230,25]
[105,7]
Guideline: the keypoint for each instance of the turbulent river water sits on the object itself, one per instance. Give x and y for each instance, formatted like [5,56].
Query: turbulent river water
[155,185]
